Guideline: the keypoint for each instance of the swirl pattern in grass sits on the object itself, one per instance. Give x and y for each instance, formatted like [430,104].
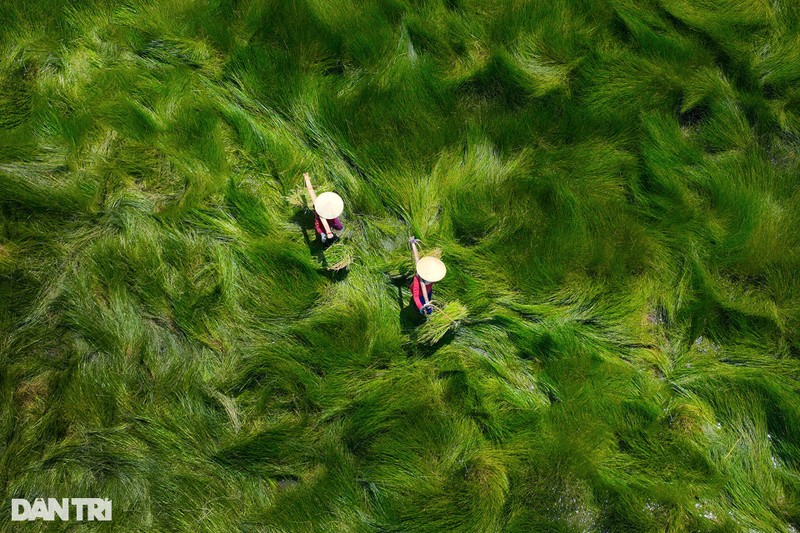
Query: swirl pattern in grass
[612,184]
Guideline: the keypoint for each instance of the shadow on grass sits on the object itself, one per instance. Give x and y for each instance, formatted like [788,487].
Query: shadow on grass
[411,319]
[305,220]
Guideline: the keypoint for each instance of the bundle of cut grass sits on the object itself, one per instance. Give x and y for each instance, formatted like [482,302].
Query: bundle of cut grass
[338,256]
[442,321]
[298,197]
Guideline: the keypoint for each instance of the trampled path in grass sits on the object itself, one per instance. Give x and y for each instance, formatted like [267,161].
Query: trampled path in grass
[613,186]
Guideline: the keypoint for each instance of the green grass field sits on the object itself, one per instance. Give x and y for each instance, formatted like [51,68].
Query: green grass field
[614,186]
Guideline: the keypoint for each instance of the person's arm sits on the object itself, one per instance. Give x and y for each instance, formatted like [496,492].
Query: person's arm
[424,290]
[310,188]
[413,242]
[325,225]
[313,196]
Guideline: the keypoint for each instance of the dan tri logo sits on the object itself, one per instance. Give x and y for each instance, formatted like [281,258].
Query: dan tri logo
[88,509]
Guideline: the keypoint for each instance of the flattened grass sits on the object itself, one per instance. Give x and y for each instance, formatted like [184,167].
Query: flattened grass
[612,185]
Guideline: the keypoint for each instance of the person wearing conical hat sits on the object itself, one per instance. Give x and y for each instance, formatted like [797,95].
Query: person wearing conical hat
[328,206]
[429,270]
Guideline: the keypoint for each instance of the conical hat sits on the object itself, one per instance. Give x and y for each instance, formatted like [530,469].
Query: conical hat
[329,205]
[431,269]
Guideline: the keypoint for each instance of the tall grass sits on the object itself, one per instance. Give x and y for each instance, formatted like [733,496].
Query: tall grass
[613,186]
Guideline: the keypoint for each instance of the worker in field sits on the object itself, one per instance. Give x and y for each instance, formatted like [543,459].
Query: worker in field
[328,206]
[429,270]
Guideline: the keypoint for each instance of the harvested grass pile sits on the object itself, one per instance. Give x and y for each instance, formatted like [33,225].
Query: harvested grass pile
[298,197]
[442,321]
[338,255]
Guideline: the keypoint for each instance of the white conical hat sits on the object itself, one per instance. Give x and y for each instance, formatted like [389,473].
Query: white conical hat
[329,205]
[430,268]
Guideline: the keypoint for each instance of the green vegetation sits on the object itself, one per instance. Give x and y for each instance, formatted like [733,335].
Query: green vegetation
[612,184]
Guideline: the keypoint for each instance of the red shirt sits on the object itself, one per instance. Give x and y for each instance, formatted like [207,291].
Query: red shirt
[416,292]
[333,223]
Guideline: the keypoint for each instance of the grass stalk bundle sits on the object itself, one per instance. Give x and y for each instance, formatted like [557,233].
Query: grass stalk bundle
[338,256]
[441,321]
